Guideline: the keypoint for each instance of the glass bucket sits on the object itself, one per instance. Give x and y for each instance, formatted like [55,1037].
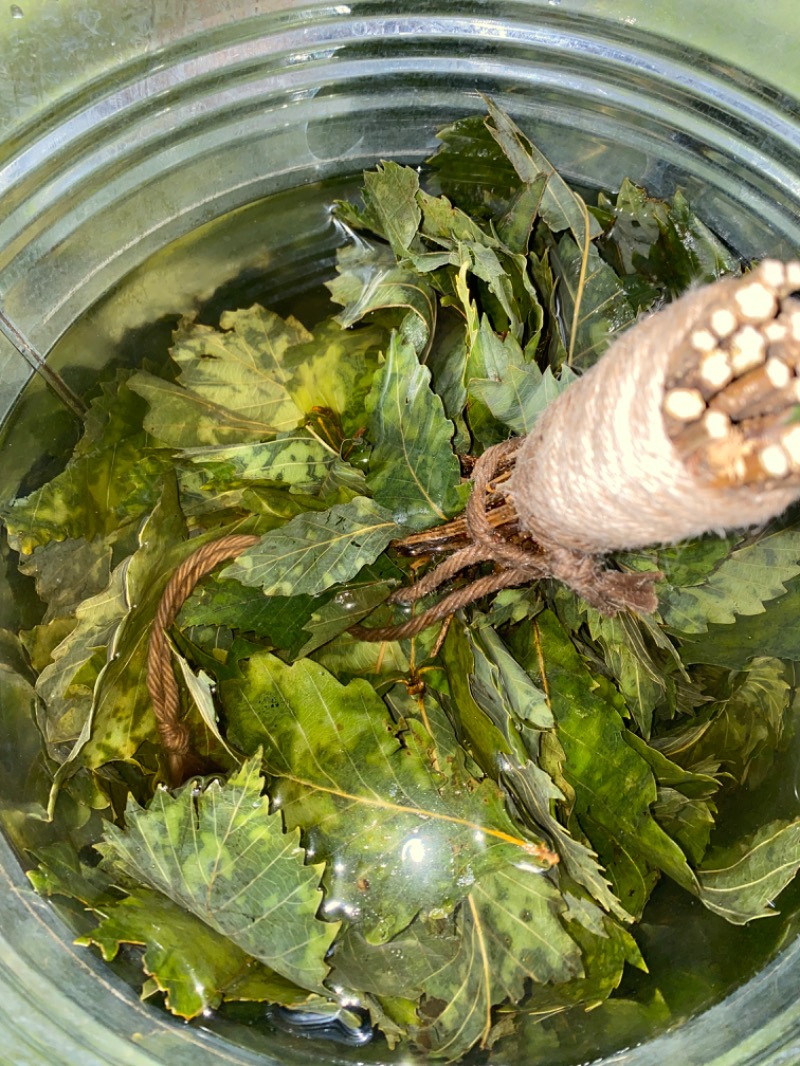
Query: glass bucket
[128,131]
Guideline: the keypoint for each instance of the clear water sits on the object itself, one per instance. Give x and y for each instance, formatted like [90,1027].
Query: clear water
[278,252]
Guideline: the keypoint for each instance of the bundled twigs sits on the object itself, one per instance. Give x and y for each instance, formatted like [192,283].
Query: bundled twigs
[733,386]
[161,682]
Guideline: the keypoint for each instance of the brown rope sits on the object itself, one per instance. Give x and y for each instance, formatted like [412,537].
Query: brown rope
[522,559]
[161,682]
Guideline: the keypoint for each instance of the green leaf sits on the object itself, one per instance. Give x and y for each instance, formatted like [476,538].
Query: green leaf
[121,717]
[67,572]
[66,684]
[333,371]
[390,197]
[594,304]
[413,469]
[740,585]
[773,633]
[628,658]
[510,933]
[492,704]
[112,479]
[315,551]
[192,964]
[559,207]
[688,820]
[614,787]
[369,280]
[370,801]
[201,688]
[742,881]
[361,596]
[472,169]
[521,394]
[742,732]
[218,602]
[223,857]
[688,252]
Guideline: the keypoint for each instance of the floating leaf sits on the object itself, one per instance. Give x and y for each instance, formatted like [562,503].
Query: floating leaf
[222,856]
[315,551]
[369,800]
[627,656]
[413,470]
[742,881]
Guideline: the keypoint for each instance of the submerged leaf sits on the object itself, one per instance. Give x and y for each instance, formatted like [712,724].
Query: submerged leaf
[740,585]
[510,933]
[400,837]
[111,481]
[413,470]
[222,856]
[741,882]
[192,964]
[369,280]
[232,382]
[614,787]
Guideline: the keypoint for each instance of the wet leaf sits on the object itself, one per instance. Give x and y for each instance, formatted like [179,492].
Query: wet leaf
[223,857]
[473,170]
[509,934]
[741,882]
[232,382]
[559,207]
[368,799]
[333,371]
[67,572]
[493,703]
[369,280]
[297,459]
[740,584]
[614,787]
[413,470]
[739,731]
[192,964]
[594,304]
[315,551]
[111,481]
